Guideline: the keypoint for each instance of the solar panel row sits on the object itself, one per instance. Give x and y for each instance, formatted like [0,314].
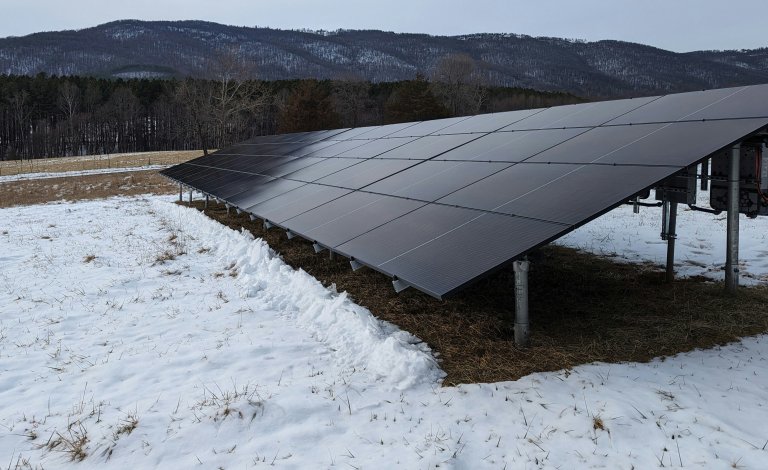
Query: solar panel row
[440,203]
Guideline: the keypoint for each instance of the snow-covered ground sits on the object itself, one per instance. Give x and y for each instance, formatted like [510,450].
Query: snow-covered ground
[60,174]
[700,246]
[146,335]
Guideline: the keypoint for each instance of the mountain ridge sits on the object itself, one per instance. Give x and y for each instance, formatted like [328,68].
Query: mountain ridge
[605,68]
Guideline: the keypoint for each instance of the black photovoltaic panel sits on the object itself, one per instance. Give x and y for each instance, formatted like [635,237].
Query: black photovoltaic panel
[579,115]
[441,203]
[431,180]
[350,216]
[514,146]
[264,192]
[297,201]
[484,123]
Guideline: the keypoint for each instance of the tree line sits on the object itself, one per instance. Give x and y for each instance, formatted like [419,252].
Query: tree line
[50,116]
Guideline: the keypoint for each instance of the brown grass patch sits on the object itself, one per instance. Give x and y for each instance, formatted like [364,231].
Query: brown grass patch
[94,162]
[583,309]
[72,188]
[89,258]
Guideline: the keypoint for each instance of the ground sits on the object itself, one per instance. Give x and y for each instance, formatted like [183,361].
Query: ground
[134,331]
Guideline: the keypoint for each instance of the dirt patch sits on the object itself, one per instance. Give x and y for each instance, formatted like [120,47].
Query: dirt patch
[583,309]
[72,188]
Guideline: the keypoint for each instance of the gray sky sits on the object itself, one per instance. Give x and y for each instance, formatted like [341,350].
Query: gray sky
[679,25]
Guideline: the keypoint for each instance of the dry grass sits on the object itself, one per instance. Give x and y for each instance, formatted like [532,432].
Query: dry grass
[583,309]
[72,188]
[93,162]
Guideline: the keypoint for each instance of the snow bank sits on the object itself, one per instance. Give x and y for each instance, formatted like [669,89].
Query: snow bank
[359,340]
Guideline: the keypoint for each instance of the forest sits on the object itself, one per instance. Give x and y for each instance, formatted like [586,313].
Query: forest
[50,116]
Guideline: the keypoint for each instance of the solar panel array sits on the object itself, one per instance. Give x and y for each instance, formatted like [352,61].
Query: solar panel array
[439,204]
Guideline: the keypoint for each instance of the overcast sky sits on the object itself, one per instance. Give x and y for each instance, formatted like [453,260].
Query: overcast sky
[679,25]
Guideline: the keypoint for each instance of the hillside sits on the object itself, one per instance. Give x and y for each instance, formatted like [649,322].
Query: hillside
[133,48]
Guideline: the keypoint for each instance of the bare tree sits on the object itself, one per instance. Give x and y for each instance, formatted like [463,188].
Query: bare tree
[21,116]
[221,107]
[458,84]
[351,98]
[69,105]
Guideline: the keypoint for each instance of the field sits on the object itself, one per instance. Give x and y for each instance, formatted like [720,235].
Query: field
[79,178]
[136,331]
[95,162]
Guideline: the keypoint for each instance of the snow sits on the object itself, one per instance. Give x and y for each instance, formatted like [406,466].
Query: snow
[60,174]
[699,249]
[184,343]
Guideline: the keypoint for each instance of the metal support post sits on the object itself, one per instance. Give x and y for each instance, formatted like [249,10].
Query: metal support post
[732,239]
[671,236]
[521,302]
[190,197]
[705,175]
[206,201]
[330,255]
[181,192]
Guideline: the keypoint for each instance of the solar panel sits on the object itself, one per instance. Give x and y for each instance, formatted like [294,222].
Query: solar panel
[439,204]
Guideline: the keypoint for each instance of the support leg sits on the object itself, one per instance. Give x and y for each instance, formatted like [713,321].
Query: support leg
[705,175]
[671,237]
[190,197]
[521,303]
[732,250]
[206,201]
[181,193]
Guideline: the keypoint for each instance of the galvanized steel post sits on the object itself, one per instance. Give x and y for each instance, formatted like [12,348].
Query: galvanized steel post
[181,192]
[521,302]
[671,236]
[732,250]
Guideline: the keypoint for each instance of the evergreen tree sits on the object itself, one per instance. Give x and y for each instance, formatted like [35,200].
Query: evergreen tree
[413,101]
[309,108]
